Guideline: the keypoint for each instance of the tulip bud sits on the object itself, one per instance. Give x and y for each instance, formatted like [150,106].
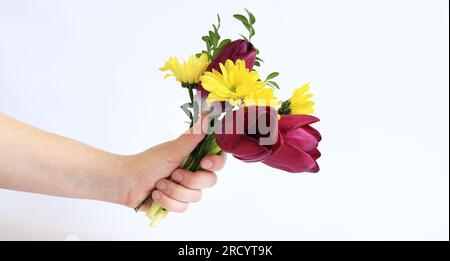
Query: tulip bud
[237,50]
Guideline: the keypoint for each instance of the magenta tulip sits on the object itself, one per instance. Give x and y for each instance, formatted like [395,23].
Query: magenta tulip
[239,133]
[298,153]
[237,50]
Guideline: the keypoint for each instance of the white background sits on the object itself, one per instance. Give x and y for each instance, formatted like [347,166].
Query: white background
[379,70]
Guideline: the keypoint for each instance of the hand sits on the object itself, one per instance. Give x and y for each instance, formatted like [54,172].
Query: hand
[36,161]
[157,169]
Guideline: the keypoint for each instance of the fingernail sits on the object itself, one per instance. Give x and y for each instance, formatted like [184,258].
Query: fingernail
[156,195]
[207,164]
[178,177]
[161,185]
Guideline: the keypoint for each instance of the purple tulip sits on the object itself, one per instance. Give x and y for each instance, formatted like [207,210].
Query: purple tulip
[239,133]
[298,152]
[237,50]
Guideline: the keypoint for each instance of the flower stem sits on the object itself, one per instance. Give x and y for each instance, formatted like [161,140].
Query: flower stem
[152,210]
[162,213]
[206,147]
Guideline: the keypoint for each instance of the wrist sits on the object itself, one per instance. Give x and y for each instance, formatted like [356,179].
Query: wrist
[132,180]
[113,182]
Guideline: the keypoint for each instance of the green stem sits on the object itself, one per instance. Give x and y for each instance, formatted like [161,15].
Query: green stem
[152,210]
[206,147]
[191,97]
[162,213]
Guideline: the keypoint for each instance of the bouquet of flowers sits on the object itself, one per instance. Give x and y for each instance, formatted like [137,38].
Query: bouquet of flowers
[245,117]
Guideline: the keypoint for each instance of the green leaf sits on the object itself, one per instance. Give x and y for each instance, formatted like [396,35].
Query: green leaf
[273,84]
[199,54]
[259,59]
[241,18]
[251,16]
[272,75]
[219,48]
[214,38]
[252,32]
[257,51]
[218,21]
[206,39]
[248,27]
[185,107]
[257,64]
[245,38]
[214,54]
[216,28]
[224,43]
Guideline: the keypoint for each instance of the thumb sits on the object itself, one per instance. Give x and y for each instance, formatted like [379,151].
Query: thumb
[178,149]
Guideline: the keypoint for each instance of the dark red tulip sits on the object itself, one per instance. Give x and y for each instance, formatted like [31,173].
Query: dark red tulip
[238,133]
[237,50]
[298,153]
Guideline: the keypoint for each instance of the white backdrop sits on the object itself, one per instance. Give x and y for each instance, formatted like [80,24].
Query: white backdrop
[379,72]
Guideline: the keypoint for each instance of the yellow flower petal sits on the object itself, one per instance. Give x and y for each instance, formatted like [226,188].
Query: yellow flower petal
[262,97]
[234,84]
[300,102]
[189,71]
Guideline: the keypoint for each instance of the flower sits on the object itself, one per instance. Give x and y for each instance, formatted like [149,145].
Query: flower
[237,50]
[262,97]
[233,84]
[187,72]
[292,144]
[298,152]
[299,103]
[238,133]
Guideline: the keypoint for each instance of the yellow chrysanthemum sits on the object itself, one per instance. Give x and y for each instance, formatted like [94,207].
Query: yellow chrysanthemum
[262,97]
[300,102]
[189,71]
[234,84]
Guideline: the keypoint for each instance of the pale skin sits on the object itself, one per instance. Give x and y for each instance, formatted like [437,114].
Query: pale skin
[37,161]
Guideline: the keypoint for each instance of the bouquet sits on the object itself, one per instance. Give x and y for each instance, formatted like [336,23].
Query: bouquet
[245,117]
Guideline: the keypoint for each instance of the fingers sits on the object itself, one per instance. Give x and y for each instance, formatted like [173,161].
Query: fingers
[195,180]
[213,162]
[183,188]
[168,203]
[178,192]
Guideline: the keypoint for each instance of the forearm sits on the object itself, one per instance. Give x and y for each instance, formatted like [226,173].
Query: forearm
[36,161]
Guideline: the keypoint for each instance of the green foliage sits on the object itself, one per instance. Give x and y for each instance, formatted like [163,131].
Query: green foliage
[248,22]
[273,84]
[212,41]
[219,48]
[285,108]
[272,75]
[269,81]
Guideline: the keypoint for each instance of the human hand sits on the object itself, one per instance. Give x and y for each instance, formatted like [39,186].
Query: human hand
[157,170]
[37,161]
